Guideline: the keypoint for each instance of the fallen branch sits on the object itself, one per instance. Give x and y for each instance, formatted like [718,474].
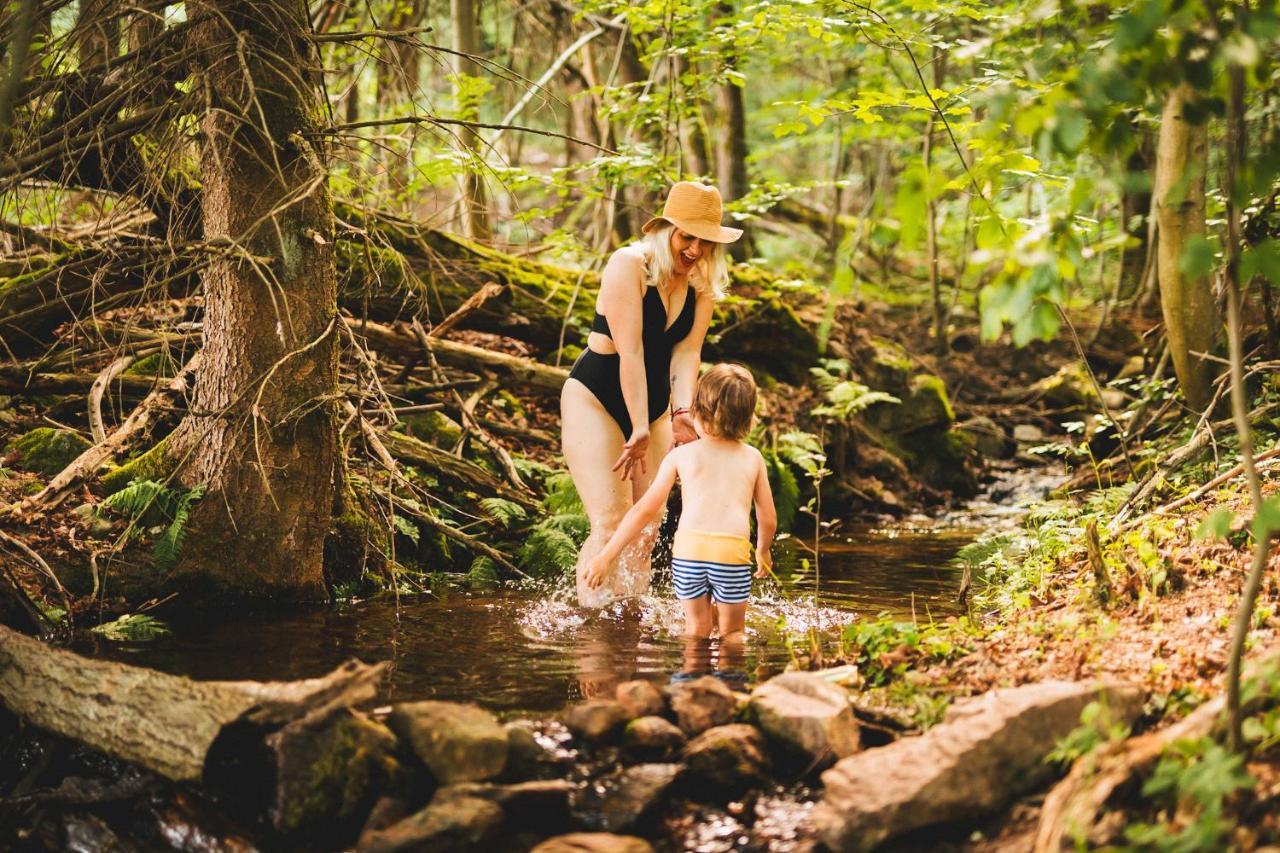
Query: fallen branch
[99,387]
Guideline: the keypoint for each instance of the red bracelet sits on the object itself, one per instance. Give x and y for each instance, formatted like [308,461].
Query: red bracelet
[683,410]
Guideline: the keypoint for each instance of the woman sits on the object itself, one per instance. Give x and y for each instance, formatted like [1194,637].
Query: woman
[626,402]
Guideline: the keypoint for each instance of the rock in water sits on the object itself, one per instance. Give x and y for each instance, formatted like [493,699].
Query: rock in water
[640,699]
[806,716]
[458,743]
[701,704]
[455,823]
[652,739]
[634,796]
[723,762]
[988,751]
[594,842]
[596,720]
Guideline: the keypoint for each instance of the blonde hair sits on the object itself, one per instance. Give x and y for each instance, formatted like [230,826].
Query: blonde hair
[725,401]
[710,274]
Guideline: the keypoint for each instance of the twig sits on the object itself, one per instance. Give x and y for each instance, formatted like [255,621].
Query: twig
[99,387]
[41,564]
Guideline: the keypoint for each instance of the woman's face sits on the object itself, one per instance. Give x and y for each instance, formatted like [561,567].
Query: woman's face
[687,250]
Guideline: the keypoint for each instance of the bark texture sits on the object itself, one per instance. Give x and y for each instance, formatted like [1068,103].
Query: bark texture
[264,434]
[1190,315]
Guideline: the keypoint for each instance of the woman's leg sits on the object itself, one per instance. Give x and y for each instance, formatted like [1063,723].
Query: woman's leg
[592,442]
[635,567]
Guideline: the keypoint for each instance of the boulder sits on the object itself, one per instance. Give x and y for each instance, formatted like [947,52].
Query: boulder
[925,405]
[594,842]
[1070,389]
[806,717]
[989,438]
[725,761]
[652,739]
[47,450]
[632,797]
[1028,434]
[640,699]
[986,752]
[457,743]
[448,824]
[542,806]
[597,720]
[526,757]
[701,704]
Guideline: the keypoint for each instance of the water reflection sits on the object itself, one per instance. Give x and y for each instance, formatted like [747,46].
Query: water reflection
[532,650]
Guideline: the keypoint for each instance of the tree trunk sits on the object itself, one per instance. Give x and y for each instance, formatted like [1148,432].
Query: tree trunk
[397,81]
[731,156]
[1190,315]
[264,436]
[1135,206]
[475,217]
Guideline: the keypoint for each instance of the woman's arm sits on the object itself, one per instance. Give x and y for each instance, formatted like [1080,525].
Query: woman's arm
[641,514]
[622,304]
[686,358]
[766,520]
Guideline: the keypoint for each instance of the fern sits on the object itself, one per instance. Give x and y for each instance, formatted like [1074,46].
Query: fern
[406,528]
[785,486]
[505,512]
[562,496]
[548,551]
[141,497]
[848,398]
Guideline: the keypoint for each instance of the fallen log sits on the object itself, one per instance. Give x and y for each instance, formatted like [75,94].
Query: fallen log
[165,723]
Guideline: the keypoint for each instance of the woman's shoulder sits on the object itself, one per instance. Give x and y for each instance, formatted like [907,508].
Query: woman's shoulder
[626,266]
[631,255]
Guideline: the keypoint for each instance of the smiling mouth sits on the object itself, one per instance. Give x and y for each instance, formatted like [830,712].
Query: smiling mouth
[688,261]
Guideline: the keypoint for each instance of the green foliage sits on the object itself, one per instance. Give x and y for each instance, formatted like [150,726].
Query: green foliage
[483,573]
[884,648]
[785,487]
[1096,728]
[406,528]
[505,512]
[1195,780]
[845,397]
[132,627]
[803,450]
[148,500]
[549,549]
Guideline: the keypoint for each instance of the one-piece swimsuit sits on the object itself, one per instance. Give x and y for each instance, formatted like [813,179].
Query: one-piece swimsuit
[599,371]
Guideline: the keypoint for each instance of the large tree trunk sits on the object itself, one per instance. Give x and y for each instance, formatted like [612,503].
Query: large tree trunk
[264,435]
[731,154]
[1190,315]
[466,40]
[1135,207]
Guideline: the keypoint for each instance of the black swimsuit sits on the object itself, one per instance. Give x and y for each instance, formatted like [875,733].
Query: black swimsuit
[599,372]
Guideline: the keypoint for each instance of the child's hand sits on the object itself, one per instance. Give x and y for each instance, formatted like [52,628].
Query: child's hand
[764,564]
[596,571]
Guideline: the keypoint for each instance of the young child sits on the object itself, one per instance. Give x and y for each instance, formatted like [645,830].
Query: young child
[720,478]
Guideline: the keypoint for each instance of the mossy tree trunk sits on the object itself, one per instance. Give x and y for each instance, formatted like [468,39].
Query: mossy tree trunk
[263,435]
[466,42]
[1190,315]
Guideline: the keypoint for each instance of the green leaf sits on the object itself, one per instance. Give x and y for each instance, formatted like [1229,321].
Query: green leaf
[1197,259]
[132,628]
[1262,259]
[1267,520]
[1216,525]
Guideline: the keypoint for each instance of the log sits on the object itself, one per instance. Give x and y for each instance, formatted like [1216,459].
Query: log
[167,724]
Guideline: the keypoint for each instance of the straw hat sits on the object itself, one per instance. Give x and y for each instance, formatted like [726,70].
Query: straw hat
[695,208]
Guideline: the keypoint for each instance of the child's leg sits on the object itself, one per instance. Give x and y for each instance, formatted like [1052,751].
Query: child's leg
[731,622]
[697,616]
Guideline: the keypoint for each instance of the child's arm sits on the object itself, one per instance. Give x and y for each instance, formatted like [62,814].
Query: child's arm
[644,511]
[766,521]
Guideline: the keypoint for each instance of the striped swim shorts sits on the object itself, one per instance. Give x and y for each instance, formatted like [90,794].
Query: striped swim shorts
[718,564]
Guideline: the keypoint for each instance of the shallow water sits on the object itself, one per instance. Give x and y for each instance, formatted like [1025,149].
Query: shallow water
[526,650]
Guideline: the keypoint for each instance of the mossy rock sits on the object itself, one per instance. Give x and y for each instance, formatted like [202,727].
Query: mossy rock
[1069,389]
[942,458]
[924,406]
[435,428]
[47,450]
[889,368]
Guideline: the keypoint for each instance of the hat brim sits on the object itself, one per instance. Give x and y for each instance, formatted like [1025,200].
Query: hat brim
[713,233]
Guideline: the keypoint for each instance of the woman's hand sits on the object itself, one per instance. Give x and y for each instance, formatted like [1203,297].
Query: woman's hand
[682,431]
[631,462]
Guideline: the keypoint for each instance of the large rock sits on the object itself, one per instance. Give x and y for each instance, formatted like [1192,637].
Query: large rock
[987,751]
[596,720]
[701,704]
[652,739]
[594,842]
[458,743]
[526,757]
[640,699]
[989,438]
[924,406]
[542,806]
[447,824]
[632,797]
[725,761]
[806,716]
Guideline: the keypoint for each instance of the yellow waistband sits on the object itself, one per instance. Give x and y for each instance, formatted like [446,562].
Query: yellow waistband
[711,547]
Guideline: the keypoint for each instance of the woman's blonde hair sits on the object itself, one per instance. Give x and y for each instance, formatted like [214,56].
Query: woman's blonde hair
[710,274]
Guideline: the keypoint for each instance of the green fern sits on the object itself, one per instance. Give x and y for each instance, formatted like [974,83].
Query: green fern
[562,496]
[143,497]
[548,551]
[505,512]
[785,486]
[406,528]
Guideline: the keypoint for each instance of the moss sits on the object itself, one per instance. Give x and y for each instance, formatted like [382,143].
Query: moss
[354,550]
[924,406]
[157,364]
[941,459]
[434,427]
[153,464]
[47,450]
[1068,389]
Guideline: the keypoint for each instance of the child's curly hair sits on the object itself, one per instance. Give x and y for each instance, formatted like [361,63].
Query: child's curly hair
[725,401]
